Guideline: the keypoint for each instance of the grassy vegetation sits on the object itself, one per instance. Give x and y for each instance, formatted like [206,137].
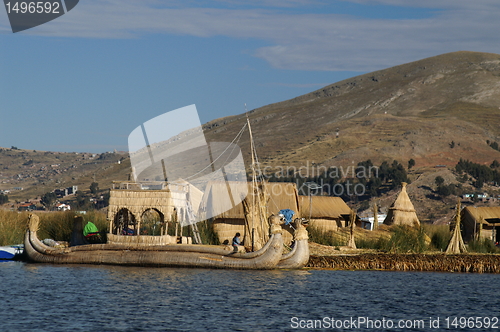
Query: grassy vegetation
[334,239]
[378,243]
[12,227]
[207,233]
[440,236]
[402,239]
[53,225]
[406,239]
[484,245]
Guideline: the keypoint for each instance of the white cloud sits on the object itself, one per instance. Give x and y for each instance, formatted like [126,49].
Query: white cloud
[297,41]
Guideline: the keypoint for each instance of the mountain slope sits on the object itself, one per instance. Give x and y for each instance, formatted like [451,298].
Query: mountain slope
[436,111]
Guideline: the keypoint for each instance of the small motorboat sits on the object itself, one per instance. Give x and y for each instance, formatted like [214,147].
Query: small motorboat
[9,252]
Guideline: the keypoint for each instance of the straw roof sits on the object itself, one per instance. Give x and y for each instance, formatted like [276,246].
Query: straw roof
[402,211]
[223,199]
[323,207]
[487,215]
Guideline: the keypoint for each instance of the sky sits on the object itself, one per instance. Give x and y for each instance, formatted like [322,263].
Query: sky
[84,81]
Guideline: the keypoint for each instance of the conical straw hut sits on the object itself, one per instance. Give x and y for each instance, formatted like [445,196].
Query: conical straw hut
[402,211]
[456,245]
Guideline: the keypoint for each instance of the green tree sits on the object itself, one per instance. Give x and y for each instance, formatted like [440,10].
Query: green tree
[48,200]
[411,163]
[446,190]
[439,180]
[94,188]
[83,202]
[4,198]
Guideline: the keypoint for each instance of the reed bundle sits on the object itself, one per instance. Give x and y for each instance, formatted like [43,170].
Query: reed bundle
[409,262]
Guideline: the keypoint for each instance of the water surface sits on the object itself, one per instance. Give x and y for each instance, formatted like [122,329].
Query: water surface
[43,297]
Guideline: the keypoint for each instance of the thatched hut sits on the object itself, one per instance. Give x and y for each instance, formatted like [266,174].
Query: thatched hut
[229,219]
[402,211]
[328,213]
[481,222]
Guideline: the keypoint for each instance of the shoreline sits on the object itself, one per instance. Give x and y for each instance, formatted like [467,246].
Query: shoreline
[439,262]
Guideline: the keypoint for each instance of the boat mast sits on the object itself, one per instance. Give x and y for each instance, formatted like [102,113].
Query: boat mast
[254,178]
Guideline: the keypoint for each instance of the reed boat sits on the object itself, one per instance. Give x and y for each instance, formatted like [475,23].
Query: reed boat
[171,255]
[298,257]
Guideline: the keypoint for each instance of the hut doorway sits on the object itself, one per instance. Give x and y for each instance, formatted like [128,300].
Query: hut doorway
[496,231]
[152,222]
[124,223]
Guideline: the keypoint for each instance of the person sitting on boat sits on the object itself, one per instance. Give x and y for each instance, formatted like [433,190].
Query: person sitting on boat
[237,242]
[91,233]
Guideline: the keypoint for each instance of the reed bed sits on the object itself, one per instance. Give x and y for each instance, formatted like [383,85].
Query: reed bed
[409,262]
[12,227]
[53,225]
[327,238]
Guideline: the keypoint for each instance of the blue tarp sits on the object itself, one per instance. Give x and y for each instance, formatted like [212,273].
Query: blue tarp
[288,214]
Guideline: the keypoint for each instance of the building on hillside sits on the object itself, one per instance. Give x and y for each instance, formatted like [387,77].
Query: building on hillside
[402,211]
[62,207]
[328,213]
[229,220]
[367,222]
[60,193]
[481,221]
[28,206]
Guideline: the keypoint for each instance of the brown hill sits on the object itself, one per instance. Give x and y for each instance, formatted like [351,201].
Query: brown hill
[39,172]
[436,111]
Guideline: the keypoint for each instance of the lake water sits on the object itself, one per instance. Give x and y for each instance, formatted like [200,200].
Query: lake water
[41,297]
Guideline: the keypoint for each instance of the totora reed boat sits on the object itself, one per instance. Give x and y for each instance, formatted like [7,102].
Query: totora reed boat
[173,255]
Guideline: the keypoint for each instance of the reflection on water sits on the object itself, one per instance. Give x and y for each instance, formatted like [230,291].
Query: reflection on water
[112,298]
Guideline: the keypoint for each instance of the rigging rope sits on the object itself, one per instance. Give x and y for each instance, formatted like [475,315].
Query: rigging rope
[238,136]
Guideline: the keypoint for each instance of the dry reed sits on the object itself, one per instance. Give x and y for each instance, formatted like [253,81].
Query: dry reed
[410,262]
[12,227]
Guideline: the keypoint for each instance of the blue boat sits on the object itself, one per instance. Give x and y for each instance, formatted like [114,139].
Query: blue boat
[8,252]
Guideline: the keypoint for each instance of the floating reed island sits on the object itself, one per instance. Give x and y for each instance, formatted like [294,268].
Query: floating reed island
[477,263]
[406,249]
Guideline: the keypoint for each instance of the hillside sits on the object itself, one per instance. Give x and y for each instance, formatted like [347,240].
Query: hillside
[38,172]
[415,110]
[435,111]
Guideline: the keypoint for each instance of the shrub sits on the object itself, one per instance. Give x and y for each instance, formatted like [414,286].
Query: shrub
[482,245]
